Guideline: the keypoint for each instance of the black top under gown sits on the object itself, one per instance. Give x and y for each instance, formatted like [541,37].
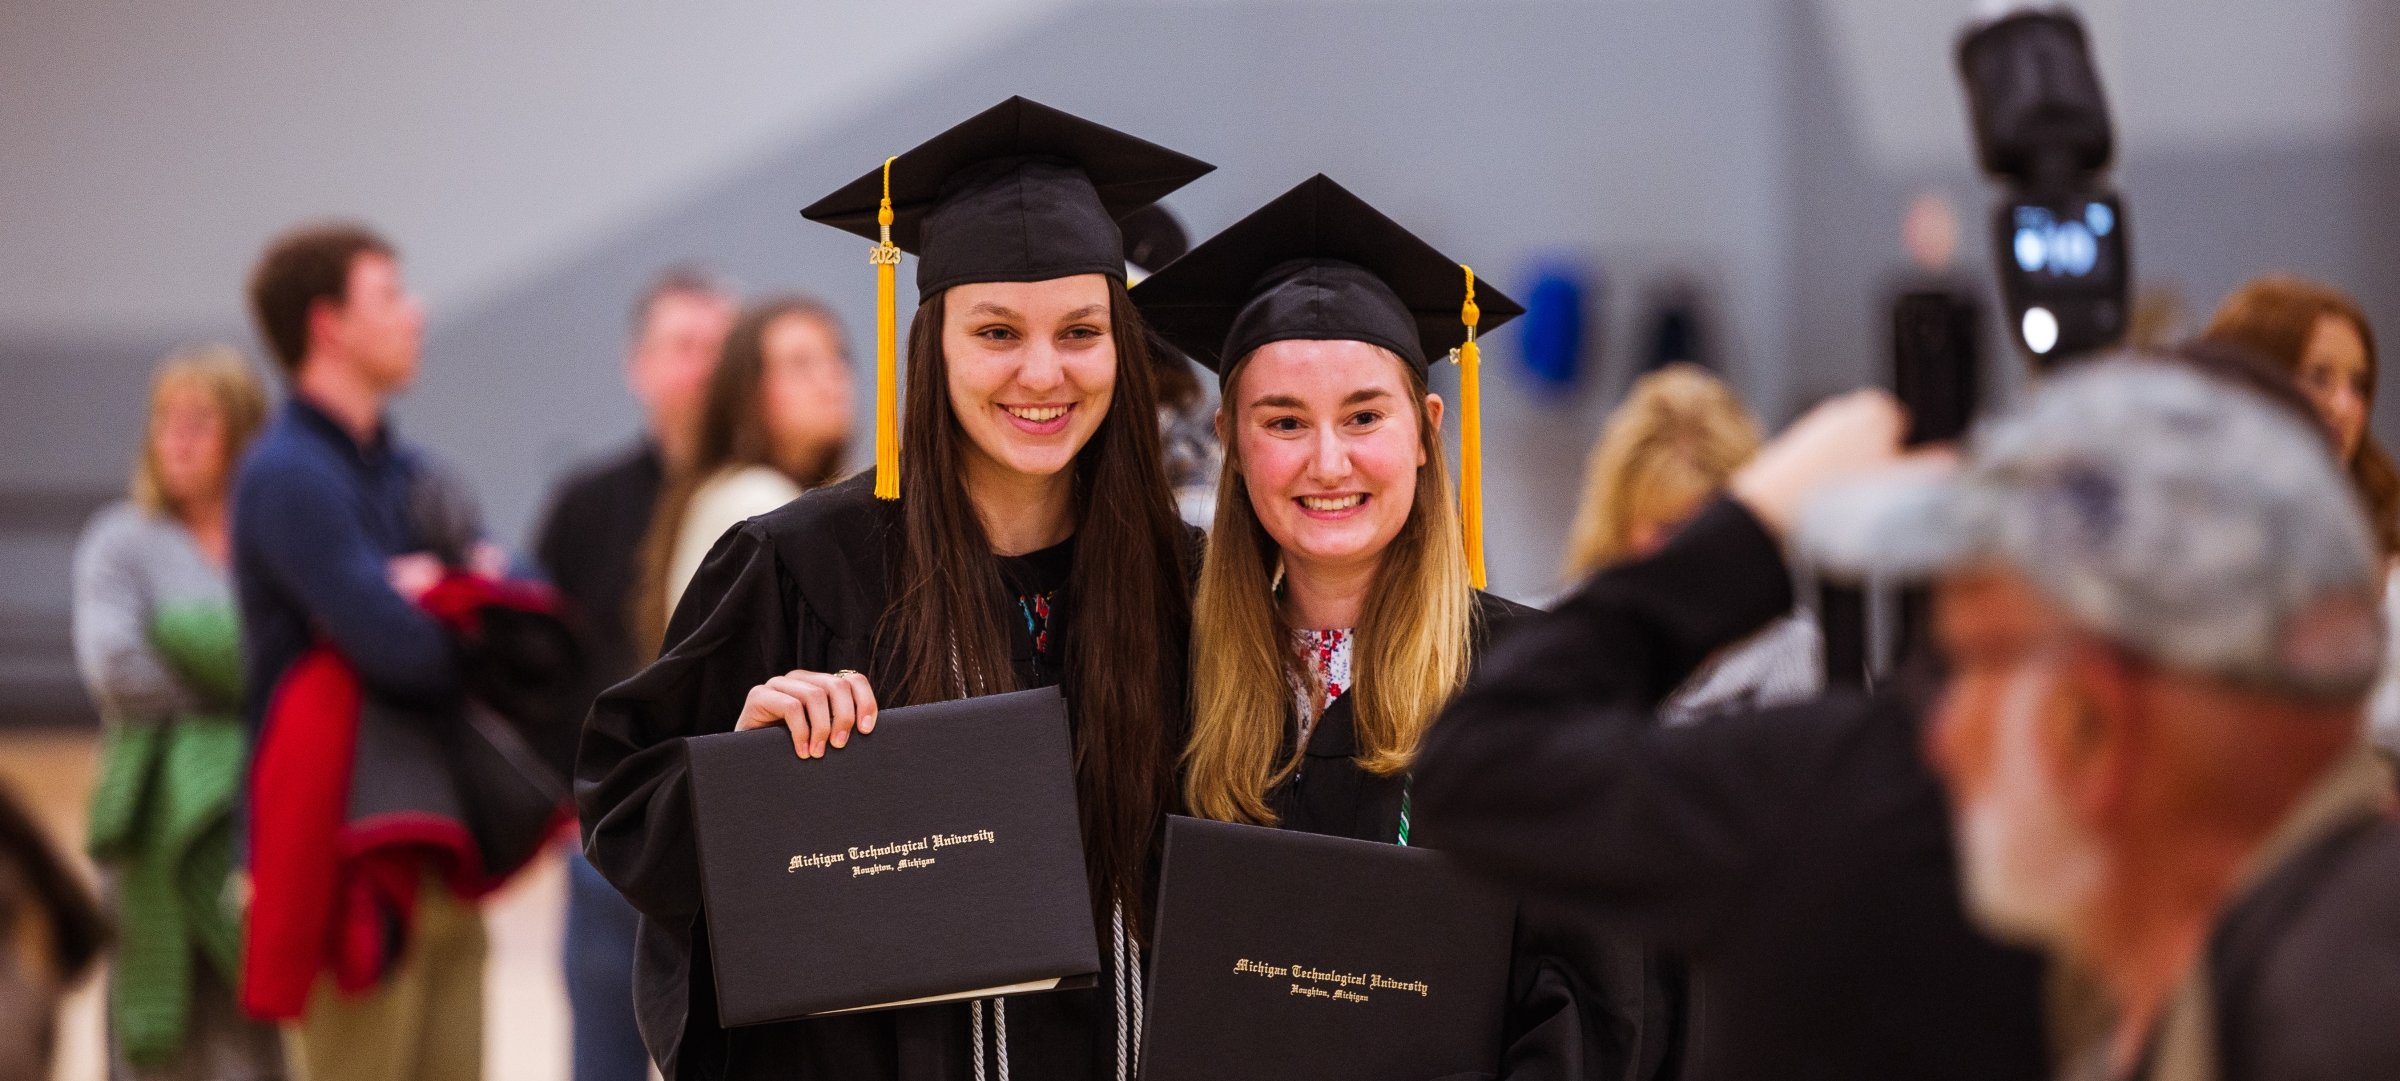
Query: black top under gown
[1586,1003]
[1330,793]
[800,587]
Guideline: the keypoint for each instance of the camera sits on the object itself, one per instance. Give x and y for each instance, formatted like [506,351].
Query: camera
[2042,130]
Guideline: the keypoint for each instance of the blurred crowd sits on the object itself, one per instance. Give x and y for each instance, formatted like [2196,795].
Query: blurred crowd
[2122,810]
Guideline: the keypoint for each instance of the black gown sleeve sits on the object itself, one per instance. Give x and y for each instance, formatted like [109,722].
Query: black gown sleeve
[1549,771]
[735,627]
[1635,632]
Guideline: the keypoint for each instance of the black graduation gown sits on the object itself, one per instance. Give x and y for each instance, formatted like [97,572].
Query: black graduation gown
[1798,858]
[799,587]
[1329,794]
[1586,1003]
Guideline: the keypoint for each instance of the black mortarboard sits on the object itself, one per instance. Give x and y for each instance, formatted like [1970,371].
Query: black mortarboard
[1018,192]
[1317,263]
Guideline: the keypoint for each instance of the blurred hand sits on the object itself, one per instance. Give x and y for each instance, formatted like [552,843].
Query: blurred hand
[820,708]
[412,574]
[1843,437]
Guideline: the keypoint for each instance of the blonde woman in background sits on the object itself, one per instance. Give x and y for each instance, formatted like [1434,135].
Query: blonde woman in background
[775,423]
[158,644]
[1665,452]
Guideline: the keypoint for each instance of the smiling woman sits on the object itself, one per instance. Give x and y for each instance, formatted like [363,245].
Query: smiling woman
[1030,368]
[1336,611]
[1033,541]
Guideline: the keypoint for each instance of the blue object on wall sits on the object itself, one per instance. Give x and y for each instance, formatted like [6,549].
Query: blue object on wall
[1553,339]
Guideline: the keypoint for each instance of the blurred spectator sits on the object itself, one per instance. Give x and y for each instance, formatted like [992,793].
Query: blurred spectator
[2320,335]
[1677,332]
[1187,422]
[1801,859]
[776,421]
[328,548]
[1187,404]
[1665,453]
[1796,859]
[50,933]
[158,642]
[2158,600]
[589,543]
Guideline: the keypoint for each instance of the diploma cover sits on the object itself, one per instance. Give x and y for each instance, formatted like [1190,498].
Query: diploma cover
[939,858]
[1283,955]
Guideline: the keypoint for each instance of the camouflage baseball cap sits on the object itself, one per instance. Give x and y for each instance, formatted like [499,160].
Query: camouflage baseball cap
[2190,521]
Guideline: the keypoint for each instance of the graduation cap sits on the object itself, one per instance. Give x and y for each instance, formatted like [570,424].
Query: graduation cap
[1319,264]
[1020,192]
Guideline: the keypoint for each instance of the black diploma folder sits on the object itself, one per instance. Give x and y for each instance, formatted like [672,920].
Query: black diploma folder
[1285,955]
[939,858]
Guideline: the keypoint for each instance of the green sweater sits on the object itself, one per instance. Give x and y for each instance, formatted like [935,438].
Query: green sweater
[160,646]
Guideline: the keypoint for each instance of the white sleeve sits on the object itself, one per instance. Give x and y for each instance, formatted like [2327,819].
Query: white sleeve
[722,503]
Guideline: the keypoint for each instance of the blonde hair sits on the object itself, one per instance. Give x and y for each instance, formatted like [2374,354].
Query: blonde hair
[1677,438]
[1413,641]
[232,386]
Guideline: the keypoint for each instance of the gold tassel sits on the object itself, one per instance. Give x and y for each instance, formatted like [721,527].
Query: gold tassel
[886,257]
[1470,432]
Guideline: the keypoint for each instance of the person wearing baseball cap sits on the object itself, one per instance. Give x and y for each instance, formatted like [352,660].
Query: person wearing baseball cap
[2159,604]
[2169,542]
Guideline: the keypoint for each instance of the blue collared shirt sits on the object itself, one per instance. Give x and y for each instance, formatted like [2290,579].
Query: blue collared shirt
[316,517]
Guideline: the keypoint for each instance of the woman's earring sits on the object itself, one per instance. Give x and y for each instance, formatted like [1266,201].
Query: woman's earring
[1276,584]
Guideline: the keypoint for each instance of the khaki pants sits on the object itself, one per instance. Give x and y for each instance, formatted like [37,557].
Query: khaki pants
[423,1023]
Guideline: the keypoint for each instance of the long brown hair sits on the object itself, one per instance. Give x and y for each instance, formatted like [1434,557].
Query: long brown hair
[2275,316]
[1413,640]
[231,384]
[733,433]
[1125,611]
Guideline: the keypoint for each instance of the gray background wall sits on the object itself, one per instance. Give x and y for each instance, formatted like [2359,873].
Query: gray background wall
[539,161]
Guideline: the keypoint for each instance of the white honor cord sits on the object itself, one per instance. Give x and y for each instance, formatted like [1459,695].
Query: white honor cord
[1000,1030]
[1133,950]
[975,1034]
[1116,960]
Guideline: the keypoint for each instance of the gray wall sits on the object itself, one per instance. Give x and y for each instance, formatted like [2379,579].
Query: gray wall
[538,165]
